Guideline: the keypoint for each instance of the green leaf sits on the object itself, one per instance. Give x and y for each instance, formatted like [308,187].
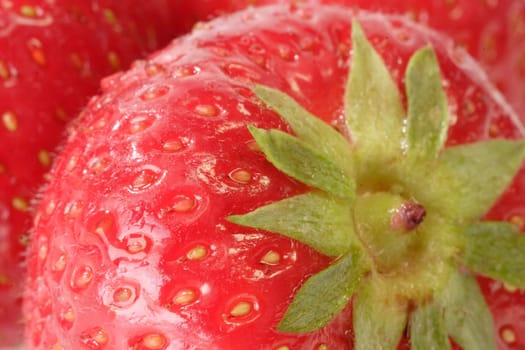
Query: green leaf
[427,329]
[379,318]
[324,295]
[467,316]
[427,123]
[303,162]
[468,179]
[496,250]
[316,219]
[308,128]
[372,103]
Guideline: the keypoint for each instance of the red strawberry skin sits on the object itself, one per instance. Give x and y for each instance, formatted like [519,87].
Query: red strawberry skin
[52,56]
[491,31]
[132,249]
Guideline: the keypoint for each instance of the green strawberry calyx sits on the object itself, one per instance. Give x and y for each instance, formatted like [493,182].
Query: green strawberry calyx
[397,211]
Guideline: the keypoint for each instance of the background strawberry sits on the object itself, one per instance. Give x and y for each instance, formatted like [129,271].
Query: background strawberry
[52,56]
[132,246]
[491,31]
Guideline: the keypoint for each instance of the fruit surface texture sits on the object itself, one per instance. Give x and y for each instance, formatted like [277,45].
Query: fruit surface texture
[140,238]
[491,31]
[52,56]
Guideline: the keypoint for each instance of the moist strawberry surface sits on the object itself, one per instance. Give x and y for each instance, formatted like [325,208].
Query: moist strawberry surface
[491,31]
[52,56]
[134,243]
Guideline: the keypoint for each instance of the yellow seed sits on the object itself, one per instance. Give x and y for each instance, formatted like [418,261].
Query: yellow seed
[69,315]
[4,70]
[184,297]
[42,252]
[60,263]
[206,110]
[154,341]
[44,157]
[36,51]
[110,17]
[240,176]
[508,335]
[518,221]
[322,347]
[197,252]
[271,258]
[101,337]
[509,288]
[4,280]
[57,346]
[61,114]
[242,308]
[2,168]
[114,60]
[10,121]
[283,347]
[28,11]
[20,204]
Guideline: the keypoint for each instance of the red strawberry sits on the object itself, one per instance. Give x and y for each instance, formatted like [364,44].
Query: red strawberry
[492,31]
[140,241]
[52,56]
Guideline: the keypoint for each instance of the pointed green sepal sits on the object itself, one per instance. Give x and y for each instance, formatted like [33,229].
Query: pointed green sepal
[324,295]
[467,316]
[496,250]
[316,219]
[379,318]
[308,128]
[427,328]
[372,103]
[427,123]
[304,163]
[468,179]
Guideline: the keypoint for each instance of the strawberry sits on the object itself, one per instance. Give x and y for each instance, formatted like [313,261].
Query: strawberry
[52,55]
[491,31]
[264,190]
